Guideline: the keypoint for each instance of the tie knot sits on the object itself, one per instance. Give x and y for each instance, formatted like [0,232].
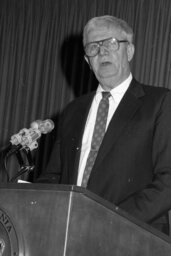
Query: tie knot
[106,95]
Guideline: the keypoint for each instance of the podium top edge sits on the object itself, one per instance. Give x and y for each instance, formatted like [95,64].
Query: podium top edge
[40,186]
[54,188]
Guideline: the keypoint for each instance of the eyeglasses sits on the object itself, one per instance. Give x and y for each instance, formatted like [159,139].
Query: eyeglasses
[93,48]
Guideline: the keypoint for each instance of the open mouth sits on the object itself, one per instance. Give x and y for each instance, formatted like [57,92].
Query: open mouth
[105,63]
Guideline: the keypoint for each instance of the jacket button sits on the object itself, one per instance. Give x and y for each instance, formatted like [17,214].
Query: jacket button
[130,180]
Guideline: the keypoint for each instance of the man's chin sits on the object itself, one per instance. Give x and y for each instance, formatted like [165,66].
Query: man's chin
[107,74]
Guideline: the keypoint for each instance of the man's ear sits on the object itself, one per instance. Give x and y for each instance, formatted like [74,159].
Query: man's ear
[88,61]
[130,51]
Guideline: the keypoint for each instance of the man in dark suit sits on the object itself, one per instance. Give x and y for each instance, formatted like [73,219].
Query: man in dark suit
[132,168]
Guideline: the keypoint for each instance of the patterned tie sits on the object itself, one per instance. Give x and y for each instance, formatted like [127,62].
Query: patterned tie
[98,134]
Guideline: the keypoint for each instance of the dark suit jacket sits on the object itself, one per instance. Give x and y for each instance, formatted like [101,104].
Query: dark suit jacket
[133,166]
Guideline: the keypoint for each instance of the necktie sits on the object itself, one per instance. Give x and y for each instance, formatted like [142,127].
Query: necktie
[98,134]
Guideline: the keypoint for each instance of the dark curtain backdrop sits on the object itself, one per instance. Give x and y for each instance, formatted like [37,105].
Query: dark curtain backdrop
[42,66]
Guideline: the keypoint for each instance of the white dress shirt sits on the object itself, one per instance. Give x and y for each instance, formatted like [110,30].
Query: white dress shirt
[116,95]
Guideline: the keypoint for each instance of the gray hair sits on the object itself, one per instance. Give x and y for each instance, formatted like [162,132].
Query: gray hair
[109,22]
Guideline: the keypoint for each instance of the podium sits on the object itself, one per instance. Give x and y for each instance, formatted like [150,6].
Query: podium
[57,220]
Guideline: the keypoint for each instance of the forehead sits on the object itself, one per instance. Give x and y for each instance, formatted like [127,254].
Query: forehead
[100,33]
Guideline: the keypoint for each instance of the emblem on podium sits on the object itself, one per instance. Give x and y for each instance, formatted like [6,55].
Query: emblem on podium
[9,243]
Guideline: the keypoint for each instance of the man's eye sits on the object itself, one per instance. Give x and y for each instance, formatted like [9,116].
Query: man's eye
[94,47]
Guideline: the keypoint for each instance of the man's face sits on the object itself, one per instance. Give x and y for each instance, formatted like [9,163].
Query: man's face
[110,67]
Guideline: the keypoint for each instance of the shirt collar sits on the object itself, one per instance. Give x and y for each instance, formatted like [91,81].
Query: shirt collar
[118,91]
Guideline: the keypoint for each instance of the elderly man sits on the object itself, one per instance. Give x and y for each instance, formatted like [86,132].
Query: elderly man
[116,141]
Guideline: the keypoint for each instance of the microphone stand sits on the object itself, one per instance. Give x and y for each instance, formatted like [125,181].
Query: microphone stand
[24,167]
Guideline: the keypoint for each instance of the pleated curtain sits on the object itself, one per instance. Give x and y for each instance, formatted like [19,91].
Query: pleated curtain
[42,65]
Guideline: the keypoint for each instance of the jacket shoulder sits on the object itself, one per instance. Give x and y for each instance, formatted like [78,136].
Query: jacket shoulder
[149,90]
[81,101]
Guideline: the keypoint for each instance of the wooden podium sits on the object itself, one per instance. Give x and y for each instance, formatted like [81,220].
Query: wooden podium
[56,220]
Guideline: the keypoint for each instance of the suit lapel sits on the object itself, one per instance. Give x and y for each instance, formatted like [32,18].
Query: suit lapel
[128,106]
[80,117]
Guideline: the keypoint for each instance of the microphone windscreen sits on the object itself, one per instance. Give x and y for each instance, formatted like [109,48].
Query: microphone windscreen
[45,126]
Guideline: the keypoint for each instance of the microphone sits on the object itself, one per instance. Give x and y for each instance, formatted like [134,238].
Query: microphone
[44,127]
[28,137]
